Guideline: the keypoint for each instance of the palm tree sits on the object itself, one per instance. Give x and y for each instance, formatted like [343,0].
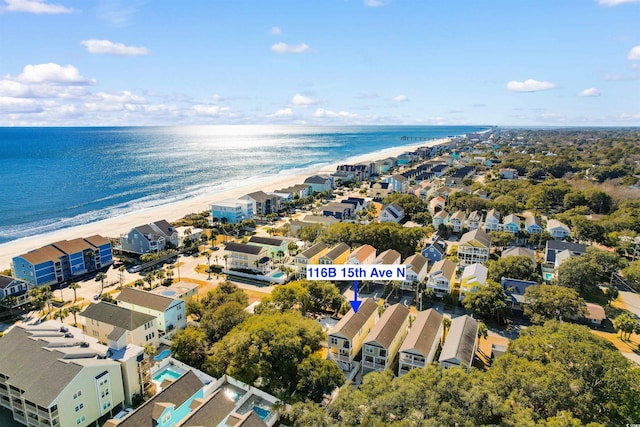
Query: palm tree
[149,278]
[60,315]
[101,276]
[74,309]
[170,274]
[226,263]
[161,275]
[121,269]
[207,255]
[10,301]
[138,283]
[446,324]
[74,286]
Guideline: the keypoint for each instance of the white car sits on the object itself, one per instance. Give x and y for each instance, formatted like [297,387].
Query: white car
[123,414]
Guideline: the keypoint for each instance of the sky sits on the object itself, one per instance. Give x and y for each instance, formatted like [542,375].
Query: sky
[320,62]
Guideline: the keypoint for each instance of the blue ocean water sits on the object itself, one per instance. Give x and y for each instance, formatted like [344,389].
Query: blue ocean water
[52,178]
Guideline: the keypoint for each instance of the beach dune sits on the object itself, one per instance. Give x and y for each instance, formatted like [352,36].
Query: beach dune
[114,227]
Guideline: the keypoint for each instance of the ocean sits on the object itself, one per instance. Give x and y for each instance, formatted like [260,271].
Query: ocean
[53,178]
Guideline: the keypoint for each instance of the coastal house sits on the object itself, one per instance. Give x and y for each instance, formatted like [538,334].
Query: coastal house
[276,248]
[421,344]
[557,229]
[417,268]
[360,171]
[461,343]
[533,224]
[263,203]
[481,193]
[508,173]
[10,286]
[357,203]
[473,277]
[391,213]
[346,338]
[399,183]
[311,220]
[170,313]
[383,342]
[337,255]
[554,247]
[244,256]
[232,211]
[52,375]
[192,233]
[365,254]
[456,178]
[595,314]
[293,192]
[108,322]
[474,247]
[441,277]
[309,256]
[379,190]
[511,223]
[435,250]
[62,261]
[492,221]
[514,291]
[520,251]
[457,221]
[152,237]
[440,218]
[439,170]
[319,183]
[474,220]
[388,257]
[340,211]
[436,204]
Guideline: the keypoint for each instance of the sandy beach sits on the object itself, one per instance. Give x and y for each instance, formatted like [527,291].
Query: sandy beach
[114,227]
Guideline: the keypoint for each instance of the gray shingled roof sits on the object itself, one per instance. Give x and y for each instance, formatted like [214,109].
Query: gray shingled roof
[6,281]
[336,251]
[423,332]
[390,256]
[478,235]
[388,326]
[265,240]
[145,299]
[313,250]
[117,316]
[460,342]
[351,322]
[243,248]
[212,411]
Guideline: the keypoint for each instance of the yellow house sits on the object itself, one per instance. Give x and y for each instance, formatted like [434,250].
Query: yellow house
[310,256]
[473,277]
[337,255]
[346,338]
[251,257]
[383,342]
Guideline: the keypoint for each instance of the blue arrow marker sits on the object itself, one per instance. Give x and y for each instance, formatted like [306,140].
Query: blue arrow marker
[355,304]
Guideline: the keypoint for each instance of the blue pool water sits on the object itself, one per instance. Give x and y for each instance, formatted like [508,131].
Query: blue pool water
[168,293]
[262,413]
[162,355]
[278,274]
[166,374]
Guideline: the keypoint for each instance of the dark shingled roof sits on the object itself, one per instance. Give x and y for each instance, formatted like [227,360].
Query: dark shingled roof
[175,394]
[385,331]
[423,332]
[6,281]
[243,248]
[265,240]
[145,299]
[121,317]
[314,250]
[165,227]
[336,251]
[212,412]
[351,323]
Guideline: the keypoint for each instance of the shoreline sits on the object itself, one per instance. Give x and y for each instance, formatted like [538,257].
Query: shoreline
[114,227]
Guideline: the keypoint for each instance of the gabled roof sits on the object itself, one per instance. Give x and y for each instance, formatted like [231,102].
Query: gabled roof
[121,317]
[150,233]
[511,218]
[554,223]
[415,262]
[388,326]
[175,394]
[383,185]
[351,322]
[447,267]
[43,254]
[243,248]
[478,235]
[73,246]
[556,246]
[438,245]
[474,216]
[460,342]
[399,177]
[476,270]
[165,227]
[459,215]
[595,312]
[389,256]
[443,214]
[320,219]
[362,253]
[316,179]
[6,281]
[266,240]
[313,250]
[212,411]
[145,299]
[519,251]
[423,332]
[533,220]
[261,196]
[337,250]
[493,214]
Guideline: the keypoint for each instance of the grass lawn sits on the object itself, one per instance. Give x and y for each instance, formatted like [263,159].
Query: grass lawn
[624,346]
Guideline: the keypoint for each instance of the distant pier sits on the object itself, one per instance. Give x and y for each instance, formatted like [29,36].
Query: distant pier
[417,138]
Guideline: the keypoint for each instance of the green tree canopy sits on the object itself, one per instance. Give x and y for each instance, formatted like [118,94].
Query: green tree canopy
[487,302]
[514,267]
[217,323]
[190,346]
[546,302]
[318,377]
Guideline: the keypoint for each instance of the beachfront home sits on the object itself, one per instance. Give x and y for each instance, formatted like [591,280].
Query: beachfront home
[557,229]
[417,267]
[108,322]
[340,211]
[435,250]
[533,224]
[337,255]
[441,277]
[360,171]
[52,375]
[474,220]
[391,213]
[492,221]
[319,183]
[421,344]
[440,218]
[511,223]
[379,190]
[243,256]
[152,237]
[383,342]
[436,204]
[346,338]
[232,211]
[10,286]
[473,277]
[461,343]
[276,248]
[309,256]
[192,233]
[365,254]
[297,191]
[457,221]
[263,203]
[474,247]
[170,313]
[62,261]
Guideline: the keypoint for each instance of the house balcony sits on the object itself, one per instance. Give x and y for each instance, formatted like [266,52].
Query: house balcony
[374,365]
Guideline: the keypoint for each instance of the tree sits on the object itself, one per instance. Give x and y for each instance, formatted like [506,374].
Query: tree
[223,319]
[302,414]
[60,315]
[487,302]
[74,286]
[149,278]
[318,377]
[150,349]
[225,292]
[139,283]
[194,308]
[546,302]
[578,273]
[323,296]
[207,255]
[121,270]
[502,239]
[101,276]
[632,274]
[309,233]
[10,301]
[74,310]
[483,331]
[626,324]
[286,297]
[514,267]
[190,346]
[446,324]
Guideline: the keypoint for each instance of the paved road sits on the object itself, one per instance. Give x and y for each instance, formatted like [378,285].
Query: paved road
[632,301]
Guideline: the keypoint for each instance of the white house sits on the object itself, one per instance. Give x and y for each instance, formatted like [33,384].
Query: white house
[417,267]
[473,277]
[391,213]
[441,277]
[457,221]
[419,347]
[492,221]
[170,313]
[557,229]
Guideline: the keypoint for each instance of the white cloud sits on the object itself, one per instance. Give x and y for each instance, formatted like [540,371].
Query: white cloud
[321,113]
[109,47]
[400,98]
[592,91]
[53,73]
[35,6]
[283,112]
[118,13]
[615,2]
[124,97]
[275,31]
[19,105]
[302,101]
[634,53]
[281,48]
[529,85]
[376,3]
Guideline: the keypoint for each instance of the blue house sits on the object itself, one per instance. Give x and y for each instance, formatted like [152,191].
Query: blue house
[435,251]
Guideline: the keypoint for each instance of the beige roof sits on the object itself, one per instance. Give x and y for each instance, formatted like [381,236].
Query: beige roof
[145,299]
[595,312]
[460,342]
[97,240]
[423,332]
[416,262]
[73,246]
[362,252]
[390,256]
[447,267]
[44,254]
[388,326]
[458,215]
[477,235]
[351,322]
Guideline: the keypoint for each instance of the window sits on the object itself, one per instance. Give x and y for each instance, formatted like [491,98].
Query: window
[79,407]
[95,333]
[80,420]
[334,341]
[77,395]
[369,349]
[383,353]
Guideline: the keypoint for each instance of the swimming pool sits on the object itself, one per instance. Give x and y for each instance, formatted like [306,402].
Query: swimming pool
[168,293]
[262,413]
[164,353]
[277,274]
[166,374]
